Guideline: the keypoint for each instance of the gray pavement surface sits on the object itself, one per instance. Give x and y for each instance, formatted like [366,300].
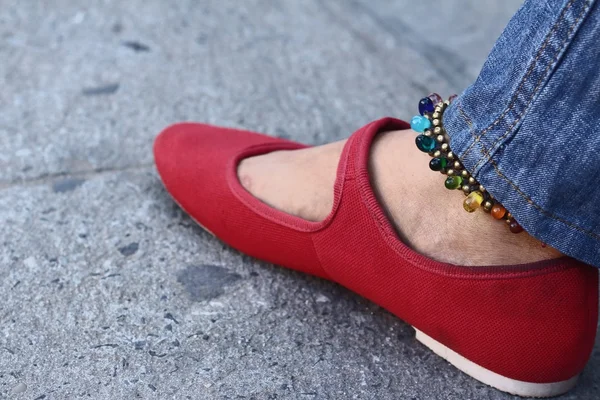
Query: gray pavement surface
[108,290]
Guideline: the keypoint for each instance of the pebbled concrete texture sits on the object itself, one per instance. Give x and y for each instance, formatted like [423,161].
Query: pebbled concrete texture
[109,290]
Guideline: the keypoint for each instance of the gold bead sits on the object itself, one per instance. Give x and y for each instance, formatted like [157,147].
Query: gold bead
[445,147]
[436,122]
[509,215]
[440,138]
[508,221]
[481,188]
[437,130]
[436,115]
[473,201]
[450,155]
[457,165]
[487,206]
[464,173]
[437,153]
[427,133]
[466,189]
[450,172]
[472,181]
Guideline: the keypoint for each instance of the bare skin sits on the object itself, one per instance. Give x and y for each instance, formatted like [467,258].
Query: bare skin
[300,182]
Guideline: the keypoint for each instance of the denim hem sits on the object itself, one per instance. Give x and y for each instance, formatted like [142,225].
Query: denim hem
[541,223]
[487,136]
[502,127]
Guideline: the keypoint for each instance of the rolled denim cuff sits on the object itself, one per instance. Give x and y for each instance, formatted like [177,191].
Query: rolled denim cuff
[514,128]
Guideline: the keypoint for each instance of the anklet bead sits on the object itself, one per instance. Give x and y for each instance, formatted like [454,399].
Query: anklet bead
[435,98]
[425,143]
[498,212]
[438,164]
[473,201]
[453,182]
[420,123]
[515,227]
[487,206]
[426,106]
[435,141]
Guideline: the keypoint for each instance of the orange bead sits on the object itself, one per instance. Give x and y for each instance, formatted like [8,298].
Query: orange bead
[498,211]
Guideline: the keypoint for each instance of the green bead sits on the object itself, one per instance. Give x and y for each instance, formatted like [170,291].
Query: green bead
[438,164]
[453,182]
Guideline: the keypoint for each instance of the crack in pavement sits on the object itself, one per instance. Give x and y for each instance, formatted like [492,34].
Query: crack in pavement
[52,177]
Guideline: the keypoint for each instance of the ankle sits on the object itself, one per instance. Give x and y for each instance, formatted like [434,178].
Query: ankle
[430,219]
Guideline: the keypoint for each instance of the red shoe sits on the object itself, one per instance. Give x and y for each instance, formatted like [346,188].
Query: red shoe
[526,329]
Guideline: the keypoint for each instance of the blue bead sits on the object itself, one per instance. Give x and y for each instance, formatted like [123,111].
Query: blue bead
[426,106]
[420,124]
[425,143]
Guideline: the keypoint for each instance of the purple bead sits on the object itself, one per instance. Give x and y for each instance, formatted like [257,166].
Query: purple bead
[452,98]
[426,106]
[435,98]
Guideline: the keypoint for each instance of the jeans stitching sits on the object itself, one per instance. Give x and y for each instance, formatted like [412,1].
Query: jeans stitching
[540,208]
[486,156]
[470,124]
[485,153]
[513,101]
[467,120]
[529,200]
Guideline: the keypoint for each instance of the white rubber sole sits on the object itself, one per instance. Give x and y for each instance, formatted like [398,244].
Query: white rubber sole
[512,386]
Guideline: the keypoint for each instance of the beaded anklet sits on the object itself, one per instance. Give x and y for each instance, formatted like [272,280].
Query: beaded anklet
[434,140]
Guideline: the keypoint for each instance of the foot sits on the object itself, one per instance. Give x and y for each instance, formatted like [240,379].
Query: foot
[428,217]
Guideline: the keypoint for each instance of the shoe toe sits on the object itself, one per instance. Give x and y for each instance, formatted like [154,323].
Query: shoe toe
[192,160]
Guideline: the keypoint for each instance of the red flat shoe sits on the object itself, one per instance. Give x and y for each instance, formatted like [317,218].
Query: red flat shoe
[526,329]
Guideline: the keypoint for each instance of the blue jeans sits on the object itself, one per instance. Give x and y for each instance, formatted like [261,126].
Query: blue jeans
[528,129]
